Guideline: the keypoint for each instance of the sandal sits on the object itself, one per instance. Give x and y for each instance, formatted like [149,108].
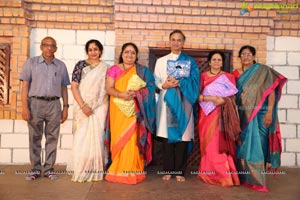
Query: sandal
[167,177]
[32,176]
[180,178]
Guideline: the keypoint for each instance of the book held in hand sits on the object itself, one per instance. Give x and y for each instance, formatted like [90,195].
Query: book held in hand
[178,69]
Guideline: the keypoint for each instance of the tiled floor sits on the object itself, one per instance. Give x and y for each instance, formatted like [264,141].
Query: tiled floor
[13,186]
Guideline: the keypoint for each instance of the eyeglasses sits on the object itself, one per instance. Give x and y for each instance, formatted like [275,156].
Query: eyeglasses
[246,55]
[52,46]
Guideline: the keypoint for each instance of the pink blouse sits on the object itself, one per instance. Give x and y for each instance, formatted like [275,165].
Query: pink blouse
[114,72]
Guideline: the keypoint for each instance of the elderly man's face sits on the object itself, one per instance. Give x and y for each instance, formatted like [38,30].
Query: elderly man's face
[176,42]
[48,47]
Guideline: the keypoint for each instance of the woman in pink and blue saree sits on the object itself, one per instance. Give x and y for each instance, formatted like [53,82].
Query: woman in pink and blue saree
[260,142]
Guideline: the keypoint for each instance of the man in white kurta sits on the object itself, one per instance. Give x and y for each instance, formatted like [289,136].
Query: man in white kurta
[175,152]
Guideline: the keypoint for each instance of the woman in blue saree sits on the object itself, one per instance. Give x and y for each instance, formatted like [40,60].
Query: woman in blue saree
[259,147]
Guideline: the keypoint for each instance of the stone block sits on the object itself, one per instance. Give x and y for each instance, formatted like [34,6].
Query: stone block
[294,58]
[293,145]
[63,156]
[288,130]
[66,127]
[282,115]
[293,116]
[110,38]
[288,101]
[66,141]
[70,65]
[270,43]
[5,156]
[285,43]
[37,34]
[21,156]
[288,159]
[20,126]
[293,87]
[276,58]
[108,53]
[35,49]
[74,52]
[289,72]
[60,51]
[63,36]
[14,140]
[6,125]
[83,36]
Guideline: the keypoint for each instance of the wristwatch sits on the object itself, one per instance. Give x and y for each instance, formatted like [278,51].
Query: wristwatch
[66,105]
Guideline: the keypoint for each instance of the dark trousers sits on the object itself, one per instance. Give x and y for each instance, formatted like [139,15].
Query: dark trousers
[174,157]
[44,118]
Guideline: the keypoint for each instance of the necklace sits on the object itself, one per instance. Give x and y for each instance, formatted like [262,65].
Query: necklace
[214,73]
[93,64]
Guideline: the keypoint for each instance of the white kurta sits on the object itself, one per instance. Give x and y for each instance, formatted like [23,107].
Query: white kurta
[160,75]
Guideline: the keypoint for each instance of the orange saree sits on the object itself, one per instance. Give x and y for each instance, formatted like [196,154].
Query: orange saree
[127,163]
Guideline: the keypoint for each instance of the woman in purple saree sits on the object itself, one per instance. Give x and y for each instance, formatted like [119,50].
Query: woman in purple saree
[260,142]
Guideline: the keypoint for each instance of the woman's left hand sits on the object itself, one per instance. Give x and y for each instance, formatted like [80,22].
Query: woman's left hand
[268,119]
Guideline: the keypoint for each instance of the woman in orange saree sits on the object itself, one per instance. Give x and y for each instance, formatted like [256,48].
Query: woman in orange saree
[130,138]
[216,166]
